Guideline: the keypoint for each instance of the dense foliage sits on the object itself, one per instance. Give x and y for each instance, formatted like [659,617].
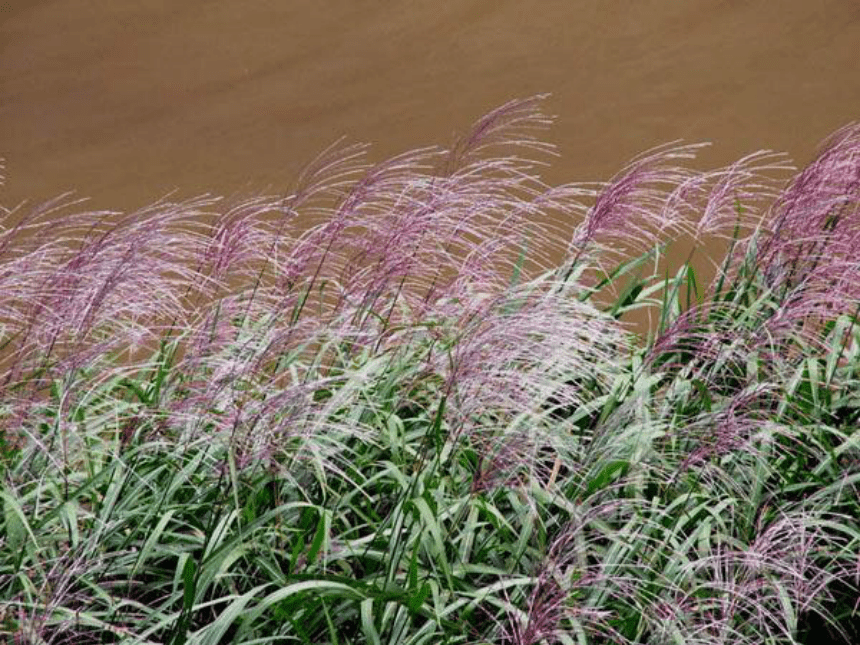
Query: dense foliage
[380,410]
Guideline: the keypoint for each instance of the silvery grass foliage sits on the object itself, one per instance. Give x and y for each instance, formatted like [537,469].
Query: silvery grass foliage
[380,409]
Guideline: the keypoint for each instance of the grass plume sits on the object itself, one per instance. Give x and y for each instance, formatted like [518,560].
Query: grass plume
[393,406]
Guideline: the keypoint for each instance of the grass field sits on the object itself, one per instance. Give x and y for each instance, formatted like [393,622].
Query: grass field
[396,407]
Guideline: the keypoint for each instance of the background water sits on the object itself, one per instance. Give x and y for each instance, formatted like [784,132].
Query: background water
[125,100]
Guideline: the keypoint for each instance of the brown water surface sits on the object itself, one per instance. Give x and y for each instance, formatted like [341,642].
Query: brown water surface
[125,100]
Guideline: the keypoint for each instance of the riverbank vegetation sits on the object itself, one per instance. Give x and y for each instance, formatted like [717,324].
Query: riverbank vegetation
[404,405]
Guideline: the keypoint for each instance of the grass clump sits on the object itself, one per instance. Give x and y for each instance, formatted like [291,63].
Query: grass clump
[407,422]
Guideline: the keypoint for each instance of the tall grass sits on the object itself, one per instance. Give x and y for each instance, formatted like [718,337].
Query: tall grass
[381,410]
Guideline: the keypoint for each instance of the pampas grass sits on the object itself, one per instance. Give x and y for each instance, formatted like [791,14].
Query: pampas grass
[394,407]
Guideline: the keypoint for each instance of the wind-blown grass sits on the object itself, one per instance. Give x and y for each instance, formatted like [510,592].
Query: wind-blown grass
[394,407]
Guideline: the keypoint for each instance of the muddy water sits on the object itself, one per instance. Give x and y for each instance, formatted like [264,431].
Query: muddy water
[125,100]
